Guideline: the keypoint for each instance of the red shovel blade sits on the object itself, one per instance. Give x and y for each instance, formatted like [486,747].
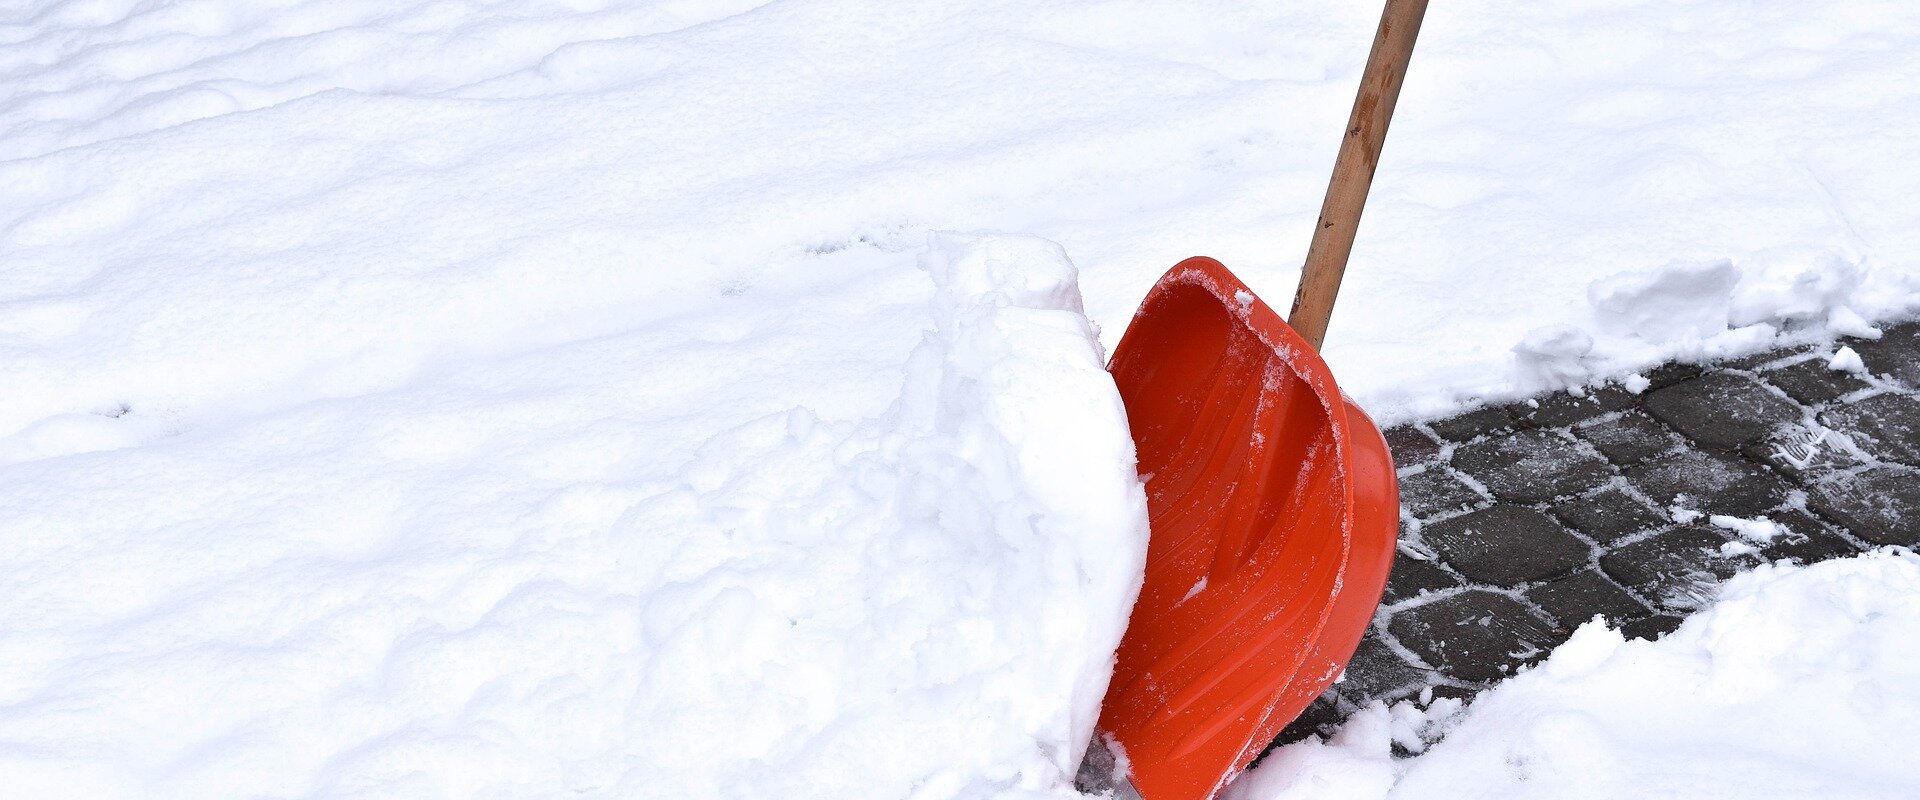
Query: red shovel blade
[1273,514]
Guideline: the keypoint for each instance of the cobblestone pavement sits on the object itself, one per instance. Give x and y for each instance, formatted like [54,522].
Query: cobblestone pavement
[1519,523]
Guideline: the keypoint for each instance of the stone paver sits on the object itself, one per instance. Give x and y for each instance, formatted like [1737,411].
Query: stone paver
[1410,446]
[1895,355]
[1669,374]
[1377,671]
[1677,569]
[1471,424]
[1880,505]
[1506,545]
[1558,410]
[1805,453]
[1652,627]
[1608,514]
[1434,490]
[1888,426]
[1721,410]
[1807,540]
[1574,599]
[1413,577]
[1597,504]
[1530,466]
[1709,482]
[1476,635]
[1811,382]
[1629,438]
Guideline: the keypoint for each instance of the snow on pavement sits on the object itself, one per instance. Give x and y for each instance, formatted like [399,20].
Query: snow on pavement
[1799,682]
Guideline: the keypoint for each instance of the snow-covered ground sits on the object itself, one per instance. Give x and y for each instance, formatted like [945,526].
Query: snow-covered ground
[493,584]
[1799,682]
[520,398]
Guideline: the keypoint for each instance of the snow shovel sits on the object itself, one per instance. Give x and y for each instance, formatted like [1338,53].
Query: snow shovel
[1273,504]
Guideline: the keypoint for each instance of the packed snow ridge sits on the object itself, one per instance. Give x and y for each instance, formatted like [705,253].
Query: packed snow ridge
[925,603]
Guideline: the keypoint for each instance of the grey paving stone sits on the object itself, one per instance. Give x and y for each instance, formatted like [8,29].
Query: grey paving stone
[1887,426]
[1880,505]
[1721,409]
[1377,672]
[1412,577]
[1651,628]
[1477,635]
[1574,599]
[1556,410]
[1531,466]
[1629,438]
[1806,541]
[1678,569]
[1614,397]
[1804,454]
[1895,354]
[1435,490]
[1811,382]
[1506,545]
[1471,424]
[1410,446]
[1712,483]
[1669,374]
[1608,514]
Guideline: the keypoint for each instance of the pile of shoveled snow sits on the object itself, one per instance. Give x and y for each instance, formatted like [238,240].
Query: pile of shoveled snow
[482,590]
[1799,682]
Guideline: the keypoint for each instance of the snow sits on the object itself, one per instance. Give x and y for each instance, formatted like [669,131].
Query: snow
[1677,301]
[211,202]
[413,398]
[478,588]
[1759,530]
[1798,682]
[1846,360]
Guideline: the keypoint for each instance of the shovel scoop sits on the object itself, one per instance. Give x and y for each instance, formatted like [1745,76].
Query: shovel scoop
[1274,510]
[1272,502]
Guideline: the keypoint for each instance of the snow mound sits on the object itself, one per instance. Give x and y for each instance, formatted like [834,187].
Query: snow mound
[1799,682]
[1673,302]
[923,604]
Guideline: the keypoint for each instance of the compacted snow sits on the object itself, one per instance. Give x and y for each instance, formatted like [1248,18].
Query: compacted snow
[1799,682]
[488,588]
[434,398]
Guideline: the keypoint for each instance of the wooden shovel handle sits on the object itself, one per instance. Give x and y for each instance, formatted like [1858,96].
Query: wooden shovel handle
[1353,170]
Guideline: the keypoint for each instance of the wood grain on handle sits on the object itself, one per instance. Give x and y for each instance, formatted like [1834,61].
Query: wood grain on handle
[1353,170]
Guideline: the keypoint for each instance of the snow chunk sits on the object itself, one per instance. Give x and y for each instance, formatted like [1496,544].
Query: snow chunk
[1758,530]
[1681,300]
[1556,355]
[1846,360]
[1844,321]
